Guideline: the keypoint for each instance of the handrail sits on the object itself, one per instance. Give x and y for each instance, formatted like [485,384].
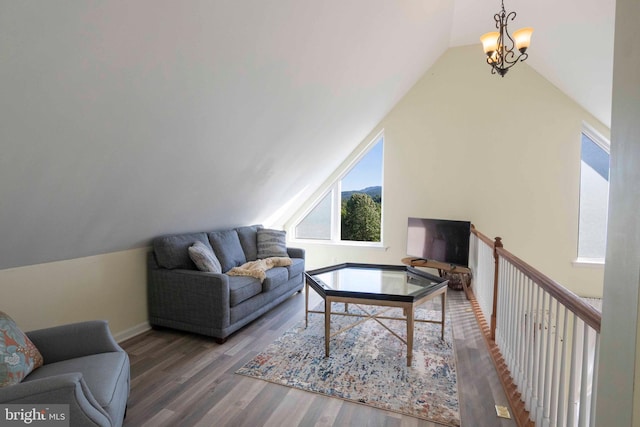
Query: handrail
[585,311]
[481,236]
[589,314]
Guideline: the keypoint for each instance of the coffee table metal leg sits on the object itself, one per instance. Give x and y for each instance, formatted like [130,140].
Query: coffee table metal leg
[306,304]
[410,314]
[444,305]
[327,325]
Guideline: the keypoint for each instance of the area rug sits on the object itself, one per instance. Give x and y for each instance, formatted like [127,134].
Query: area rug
[367,364]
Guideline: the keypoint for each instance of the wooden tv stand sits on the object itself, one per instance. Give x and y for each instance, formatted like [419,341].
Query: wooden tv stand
[441,267]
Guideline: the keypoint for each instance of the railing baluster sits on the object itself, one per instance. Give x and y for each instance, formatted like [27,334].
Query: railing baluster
[555,376]
[543,355]
[521,332]
[516,327]
[585,402]
[594,384]
[549,368]
[561,373]
[505,277]
[502,320]
[573,374]
[511,289]
[535,373]
[529,351]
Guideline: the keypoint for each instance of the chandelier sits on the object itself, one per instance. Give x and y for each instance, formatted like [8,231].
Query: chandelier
[503,51]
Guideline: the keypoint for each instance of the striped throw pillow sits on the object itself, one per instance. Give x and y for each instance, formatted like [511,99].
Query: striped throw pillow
[204,258]
[272,243]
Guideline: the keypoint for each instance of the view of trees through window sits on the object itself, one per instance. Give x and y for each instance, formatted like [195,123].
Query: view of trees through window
[354,203]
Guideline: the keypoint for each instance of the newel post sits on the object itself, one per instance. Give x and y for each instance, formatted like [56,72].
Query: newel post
[494,315]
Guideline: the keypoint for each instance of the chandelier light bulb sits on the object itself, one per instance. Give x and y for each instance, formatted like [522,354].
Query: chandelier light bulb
[490,42]
[523,38]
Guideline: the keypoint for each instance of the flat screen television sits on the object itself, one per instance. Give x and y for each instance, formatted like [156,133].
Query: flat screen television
[439,240]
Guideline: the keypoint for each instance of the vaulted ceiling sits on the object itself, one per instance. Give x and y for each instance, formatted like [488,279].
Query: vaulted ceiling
[124,120]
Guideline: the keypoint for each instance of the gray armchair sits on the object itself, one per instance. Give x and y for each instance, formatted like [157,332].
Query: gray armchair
[83,367]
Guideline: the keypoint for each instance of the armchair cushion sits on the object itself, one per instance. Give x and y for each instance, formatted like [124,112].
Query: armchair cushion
[101,372]
[61,389]
[18,355]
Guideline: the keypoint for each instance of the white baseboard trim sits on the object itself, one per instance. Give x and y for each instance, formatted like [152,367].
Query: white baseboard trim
[132,332]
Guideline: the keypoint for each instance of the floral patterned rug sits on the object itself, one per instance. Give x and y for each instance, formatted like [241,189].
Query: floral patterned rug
[367,364]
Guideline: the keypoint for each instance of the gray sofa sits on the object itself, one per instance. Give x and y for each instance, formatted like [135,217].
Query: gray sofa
[215,304]
[84,368]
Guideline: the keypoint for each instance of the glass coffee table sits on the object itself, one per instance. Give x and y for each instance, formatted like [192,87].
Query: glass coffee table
[372,284]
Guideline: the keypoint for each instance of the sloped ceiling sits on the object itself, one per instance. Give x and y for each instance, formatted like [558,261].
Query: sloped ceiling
[125,120]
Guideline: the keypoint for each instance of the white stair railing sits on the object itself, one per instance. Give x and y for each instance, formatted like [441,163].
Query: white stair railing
[547,335]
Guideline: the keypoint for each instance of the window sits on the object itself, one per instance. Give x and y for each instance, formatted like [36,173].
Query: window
[594,197]
[352,208]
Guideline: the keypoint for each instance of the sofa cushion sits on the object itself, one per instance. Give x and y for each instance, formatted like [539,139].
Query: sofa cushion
[203,257]
[249,241]
[101,372]
[296,267]
[226,245]
[272,243]
[18,355]
[274,278]
[173,251]
[241,288]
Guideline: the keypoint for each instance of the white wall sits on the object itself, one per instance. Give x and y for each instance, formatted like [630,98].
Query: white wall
[501,152]
[619,363]
[111,287]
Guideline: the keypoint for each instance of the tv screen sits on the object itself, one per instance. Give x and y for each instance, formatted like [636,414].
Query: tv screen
[439,240]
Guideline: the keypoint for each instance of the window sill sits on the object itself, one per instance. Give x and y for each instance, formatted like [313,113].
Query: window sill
[368,245]
[588,262]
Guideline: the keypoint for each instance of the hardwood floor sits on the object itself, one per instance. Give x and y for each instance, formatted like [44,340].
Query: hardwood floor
[181,379]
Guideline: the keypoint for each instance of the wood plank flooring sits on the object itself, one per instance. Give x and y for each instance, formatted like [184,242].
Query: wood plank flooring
[181,379]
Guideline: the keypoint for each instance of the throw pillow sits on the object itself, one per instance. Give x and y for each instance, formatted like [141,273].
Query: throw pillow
[18,355]
[204,258]
[272,243]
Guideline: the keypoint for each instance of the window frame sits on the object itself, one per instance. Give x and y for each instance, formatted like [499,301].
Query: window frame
[604,144]
[335,188]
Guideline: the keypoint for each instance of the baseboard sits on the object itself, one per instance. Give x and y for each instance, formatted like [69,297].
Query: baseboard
[132,332]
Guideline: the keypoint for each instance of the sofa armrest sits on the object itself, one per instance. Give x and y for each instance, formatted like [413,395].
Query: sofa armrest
[74,340]
[296,252]
[188,296]
[65,389]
